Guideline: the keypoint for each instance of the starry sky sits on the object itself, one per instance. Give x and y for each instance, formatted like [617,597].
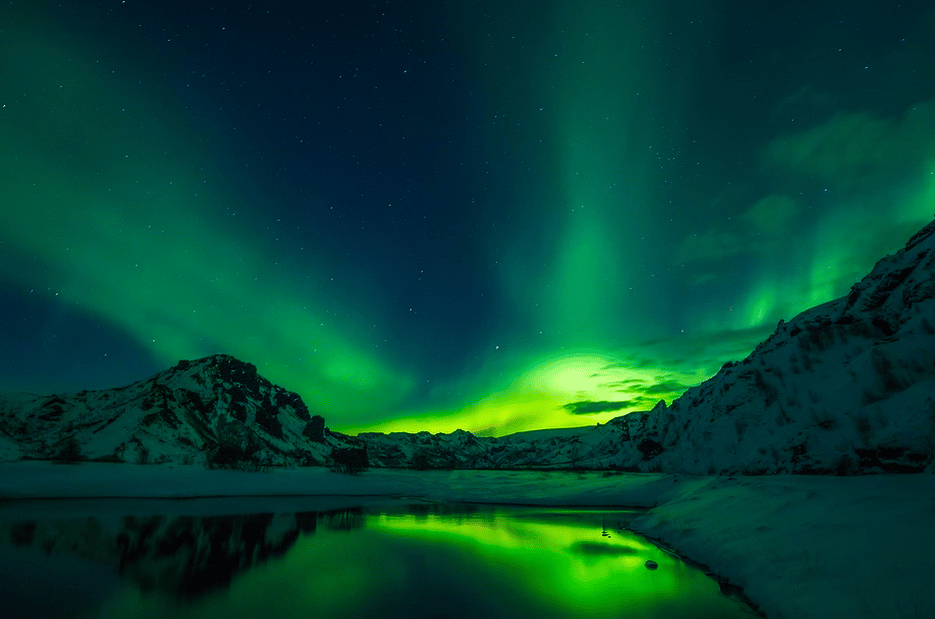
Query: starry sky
[430,215]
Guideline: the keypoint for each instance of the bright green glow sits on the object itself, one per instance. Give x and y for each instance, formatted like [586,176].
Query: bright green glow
[117,211]
[590,307]
[761,304]
[869,214]
[535,395]
[852,239]
[569,566]
[874,199]
[606,89]
[549,564]
[113,216]
[585,295]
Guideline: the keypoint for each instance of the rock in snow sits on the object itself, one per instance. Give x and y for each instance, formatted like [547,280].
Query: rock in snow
[847,387]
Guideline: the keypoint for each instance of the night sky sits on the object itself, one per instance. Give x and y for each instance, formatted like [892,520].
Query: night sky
[435,214]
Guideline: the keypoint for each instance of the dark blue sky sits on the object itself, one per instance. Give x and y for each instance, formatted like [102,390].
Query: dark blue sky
[448,214]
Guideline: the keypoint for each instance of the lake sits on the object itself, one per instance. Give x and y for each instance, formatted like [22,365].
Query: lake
[189,559]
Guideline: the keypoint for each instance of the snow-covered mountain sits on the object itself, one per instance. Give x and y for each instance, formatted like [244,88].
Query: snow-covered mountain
[847,387]
[215,410]
[550,449]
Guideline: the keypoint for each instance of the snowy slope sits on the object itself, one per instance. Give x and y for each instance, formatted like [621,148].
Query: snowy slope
[216,407]
[846,387]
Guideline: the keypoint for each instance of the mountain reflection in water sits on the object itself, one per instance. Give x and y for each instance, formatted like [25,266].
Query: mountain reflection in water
[414,560]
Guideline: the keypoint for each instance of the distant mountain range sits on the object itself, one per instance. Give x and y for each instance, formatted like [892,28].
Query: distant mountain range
[847,387]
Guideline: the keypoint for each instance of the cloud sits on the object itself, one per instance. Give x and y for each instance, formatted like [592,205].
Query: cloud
[589,407]
[669,386]
[855,148]
[710,245]
[806,100]
[758,230]
[623,386]
[706,350]
[771,215]
[850,151]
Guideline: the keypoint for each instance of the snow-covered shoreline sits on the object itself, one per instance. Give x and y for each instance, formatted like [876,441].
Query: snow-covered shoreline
[799,546]
[803,546]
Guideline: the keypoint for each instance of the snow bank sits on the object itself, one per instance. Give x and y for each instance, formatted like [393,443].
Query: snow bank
[799,546]
[811,546]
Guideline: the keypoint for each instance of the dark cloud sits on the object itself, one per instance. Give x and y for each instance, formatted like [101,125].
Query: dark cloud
[588,407]
[624,386]
[647,402]
[591,407]
[668,386]
[708,348]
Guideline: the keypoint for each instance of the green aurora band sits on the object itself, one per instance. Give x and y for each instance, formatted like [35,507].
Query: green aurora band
[120,214]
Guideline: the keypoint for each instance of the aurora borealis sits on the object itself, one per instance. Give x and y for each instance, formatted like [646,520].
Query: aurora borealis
[483,215]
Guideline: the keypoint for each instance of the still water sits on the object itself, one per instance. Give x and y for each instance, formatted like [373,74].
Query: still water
[401,560]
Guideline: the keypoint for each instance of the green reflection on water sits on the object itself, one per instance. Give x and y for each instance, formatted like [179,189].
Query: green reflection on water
[579,563]
[462,563]
[423,560]
[323,575]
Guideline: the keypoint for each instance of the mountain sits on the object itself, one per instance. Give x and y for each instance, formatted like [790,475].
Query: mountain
[463,450]
[217,410]
[847,387]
